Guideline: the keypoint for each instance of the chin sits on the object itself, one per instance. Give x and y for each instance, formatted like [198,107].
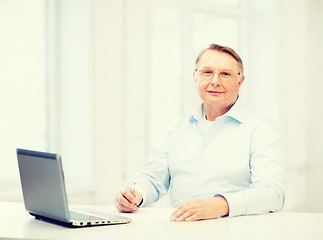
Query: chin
[214,99]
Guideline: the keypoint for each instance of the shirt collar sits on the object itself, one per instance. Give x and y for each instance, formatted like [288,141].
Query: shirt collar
[237,112]
[197,114]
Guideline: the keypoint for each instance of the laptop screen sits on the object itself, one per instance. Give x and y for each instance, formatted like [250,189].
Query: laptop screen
[42,182]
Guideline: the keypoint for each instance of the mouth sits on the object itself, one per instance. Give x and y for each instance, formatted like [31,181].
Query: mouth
[215,92]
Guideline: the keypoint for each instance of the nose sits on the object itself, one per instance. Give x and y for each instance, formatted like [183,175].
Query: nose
[215,79]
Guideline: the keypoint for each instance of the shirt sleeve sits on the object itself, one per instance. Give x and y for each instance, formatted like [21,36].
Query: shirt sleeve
[268,180]
[154,178]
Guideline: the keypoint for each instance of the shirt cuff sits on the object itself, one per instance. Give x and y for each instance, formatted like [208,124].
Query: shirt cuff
[141,188]
[237,204]
[142,200]
[144,196]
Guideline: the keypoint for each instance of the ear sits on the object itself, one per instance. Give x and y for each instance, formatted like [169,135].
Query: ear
[194,76]
[241,81]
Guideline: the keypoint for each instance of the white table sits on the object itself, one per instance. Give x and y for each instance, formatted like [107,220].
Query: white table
[153,223]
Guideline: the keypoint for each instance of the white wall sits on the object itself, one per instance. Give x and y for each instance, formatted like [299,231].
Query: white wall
[108,99]
[314,84]
[70,81]
[293,95]
[23,101]
[300,104]
[262,62]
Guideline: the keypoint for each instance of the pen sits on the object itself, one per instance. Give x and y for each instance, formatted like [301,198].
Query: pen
[133,189]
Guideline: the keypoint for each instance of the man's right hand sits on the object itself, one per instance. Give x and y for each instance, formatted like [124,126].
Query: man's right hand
[126,202]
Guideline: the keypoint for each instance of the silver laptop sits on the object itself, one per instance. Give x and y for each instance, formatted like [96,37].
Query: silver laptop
[42,181]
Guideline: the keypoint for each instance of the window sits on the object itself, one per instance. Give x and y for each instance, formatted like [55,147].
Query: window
[166,70]
[23,94]
[219,29]
[226,3]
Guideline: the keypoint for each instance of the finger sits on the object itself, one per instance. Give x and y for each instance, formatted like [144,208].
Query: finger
[177,213]
[137,199]
[133,197]
[125,202]
[127,193]
[184,216]
[122,208]
[193,217]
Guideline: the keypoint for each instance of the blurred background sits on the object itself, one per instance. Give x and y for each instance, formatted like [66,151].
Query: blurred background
[99,81]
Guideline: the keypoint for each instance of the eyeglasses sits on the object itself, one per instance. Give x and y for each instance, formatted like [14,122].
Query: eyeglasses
[208,74]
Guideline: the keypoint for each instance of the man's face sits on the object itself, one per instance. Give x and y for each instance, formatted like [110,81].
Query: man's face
[216,92]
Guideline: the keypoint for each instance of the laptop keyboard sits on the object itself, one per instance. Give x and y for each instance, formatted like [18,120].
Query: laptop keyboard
[83,217]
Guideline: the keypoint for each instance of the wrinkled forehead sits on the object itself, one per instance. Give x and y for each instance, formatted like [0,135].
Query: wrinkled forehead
[218,61]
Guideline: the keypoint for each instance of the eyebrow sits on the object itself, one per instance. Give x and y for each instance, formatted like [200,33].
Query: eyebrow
[223,69]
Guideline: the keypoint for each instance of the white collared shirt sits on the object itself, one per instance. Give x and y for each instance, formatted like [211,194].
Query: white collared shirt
[238,156]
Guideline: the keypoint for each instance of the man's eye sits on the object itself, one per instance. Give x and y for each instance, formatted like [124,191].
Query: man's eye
[207,72]
[227,74]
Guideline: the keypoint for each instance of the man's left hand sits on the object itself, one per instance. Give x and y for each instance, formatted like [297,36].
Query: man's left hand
[200,209]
